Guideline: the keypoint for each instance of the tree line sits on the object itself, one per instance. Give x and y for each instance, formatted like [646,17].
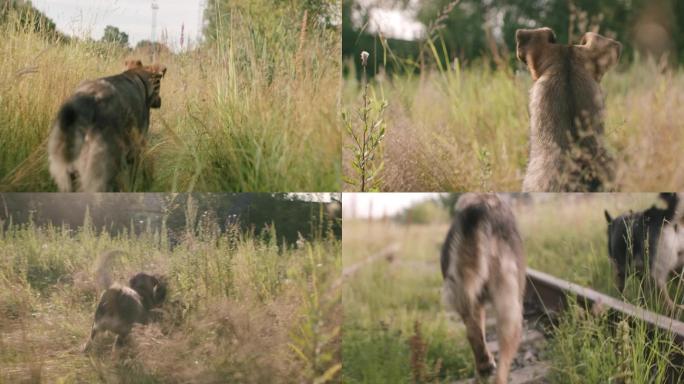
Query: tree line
[473,31]
[136,213]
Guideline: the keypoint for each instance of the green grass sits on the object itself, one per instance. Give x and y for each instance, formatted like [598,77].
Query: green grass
[466,129]
[596,349]
[383,301]
[255,112]
[247,312]
[564,235]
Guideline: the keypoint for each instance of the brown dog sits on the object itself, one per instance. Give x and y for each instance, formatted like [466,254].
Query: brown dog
[121,307]
[566,111]
[99,135]
[483,260]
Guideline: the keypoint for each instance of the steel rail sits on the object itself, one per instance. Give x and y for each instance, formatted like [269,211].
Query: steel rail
[551,293]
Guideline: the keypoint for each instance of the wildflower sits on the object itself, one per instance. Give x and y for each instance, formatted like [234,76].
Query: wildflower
[364,58]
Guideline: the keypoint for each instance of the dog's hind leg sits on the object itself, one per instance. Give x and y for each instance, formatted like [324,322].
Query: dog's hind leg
[93,333]
[473,316]
[96,167]
[508,306]
[118,344]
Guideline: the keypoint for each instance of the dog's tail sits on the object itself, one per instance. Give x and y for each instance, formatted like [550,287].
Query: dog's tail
[73,120]
[67,138]
[103,268]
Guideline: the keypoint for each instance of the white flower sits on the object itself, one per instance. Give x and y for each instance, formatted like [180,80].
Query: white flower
[364,57]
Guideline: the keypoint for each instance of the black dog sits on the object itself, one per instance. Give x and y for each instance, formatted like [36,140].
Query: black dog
[120,307]
[651,236]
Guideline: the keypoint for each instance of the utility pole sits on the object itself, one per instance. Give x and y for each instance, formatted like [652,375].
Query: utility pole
[155,8]
[200,19]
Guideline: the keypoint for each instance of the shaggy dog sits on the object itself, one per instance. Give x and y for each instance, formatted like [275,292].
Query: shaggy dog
[100,132]
[483,260]
[651,240]
[122,306]
[566,111]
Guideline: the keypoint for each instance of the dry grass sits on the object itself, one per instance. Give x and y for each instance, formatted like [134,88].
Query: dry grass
[237,313]
[467,129]
[248,114]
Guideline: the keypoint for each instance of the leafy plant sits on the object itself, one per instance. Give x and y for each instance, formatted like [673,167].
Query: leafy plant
[367,140]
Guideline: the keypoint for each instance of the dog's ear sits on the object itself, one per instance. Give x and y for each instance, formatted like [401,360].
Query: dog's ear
[132,64]
[532,47]
[601,53]
[157,69]
[159,290]
[608,218]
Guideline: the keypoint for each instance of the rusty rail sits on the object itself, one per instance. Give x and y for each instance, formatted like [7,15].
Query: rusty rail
[387,253]
[551,294]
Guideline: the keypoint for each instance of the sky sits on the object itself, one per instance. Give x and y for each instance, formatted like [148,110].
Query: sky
[379,204]
[395,23]
[134,17]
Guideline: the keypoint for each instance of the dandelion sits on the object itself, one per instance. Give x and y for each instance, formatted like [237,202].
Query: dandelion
[367,143]
[364,58]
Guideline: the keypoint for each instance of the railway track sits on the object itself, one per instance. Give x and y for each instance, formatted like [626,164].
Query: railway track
[546,298]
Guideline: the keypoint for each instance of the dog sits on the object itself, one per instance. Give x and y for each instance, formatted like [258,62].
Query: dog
[120,307]
[650,240]
[566,111]
[483,260]
[101,130]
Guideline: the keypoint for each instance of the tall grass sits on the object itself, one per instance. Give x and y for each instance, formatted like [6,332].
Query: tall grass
[248,113]
[595,348]
[466,128]
[395,328]
[240,309]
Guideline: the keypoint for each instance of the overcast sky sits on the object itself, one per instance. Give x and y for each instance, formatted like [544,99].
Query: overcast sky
[379,204]
[89,18]
[396,22]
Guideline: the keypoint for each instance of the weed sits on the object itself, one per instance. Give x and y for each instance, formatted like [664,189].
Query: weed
[367,144]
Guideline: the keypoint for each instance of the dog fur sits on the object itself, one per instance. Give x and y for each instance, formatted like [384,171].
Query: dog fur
[650,240]
[483,260]
[566,111]
[101,131]
[121,307]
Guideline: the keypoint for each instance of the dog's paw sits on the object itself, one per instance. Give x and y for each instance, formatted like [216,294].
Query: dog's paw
[486,368]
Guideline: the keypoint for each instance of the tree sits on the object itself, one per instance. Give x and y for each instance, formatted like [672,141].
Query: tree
[266,15]
[114,35]
[469,30]
[147,47]
[28,16]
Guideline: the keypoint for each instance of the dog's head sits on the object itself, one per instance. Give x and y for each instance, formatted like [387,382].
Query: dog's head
[539,49]
[152,74]
[151,288]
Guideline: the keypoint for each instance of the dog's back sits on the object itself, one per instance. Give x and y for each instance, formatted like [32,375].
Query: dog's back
[120,307]
[482,259]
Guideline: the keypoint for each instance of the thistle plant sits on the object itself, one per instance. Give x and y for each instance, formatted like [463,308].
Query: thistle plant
[367,139]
